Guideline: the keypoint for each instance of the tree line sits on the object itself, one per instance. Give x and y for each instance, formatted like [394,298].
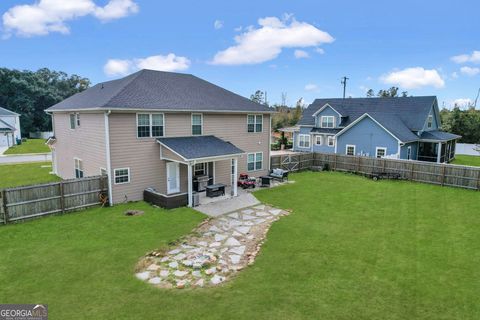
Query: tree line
[29,93]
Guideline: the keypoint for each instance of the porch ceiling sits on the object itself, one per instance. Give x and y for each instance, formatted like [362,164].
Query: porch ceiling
[199,147]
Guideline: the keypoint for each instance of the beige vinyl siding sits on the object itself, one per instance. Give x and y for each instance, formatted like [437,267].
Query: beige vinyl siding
[168,154]
[142,155]
[86,142]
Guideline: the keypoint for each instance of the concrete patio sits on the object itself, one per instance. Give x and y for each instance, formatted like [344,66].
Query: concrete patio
[217,206]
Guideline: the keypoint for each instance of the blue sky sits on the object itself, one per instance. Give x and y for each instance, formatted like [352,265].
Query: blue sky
[302,48]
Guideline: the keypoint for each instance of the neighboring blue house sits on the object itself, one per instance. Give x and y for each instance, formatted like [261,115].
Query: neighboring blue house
[399,128]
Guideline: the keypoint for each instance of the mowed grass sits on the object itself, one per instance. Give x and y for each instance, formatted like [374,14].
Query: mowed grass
[30,146]
[467,160]
[352,249]
[14,175]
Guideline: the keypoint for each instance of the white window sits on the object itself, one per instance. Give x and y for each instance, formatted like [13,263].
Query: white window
[150,125]
[254,123]
[430,121]
[122,175]
[200,169]
[255,161]
[74,120]
[318,140]
[409,153]
[78,168]
[350,150]
[327,122]
[304,140]
[380,152]
[197,123]
[331,141]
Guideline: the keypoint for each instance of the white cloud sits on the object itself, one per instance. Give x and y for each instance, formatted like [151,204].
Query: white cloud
[264,43]
[319,50]
[170,62]
[470,71]
[412,78]
[463,58]
[299,54]
[218,24]
[47,16]
[454,75]
[311,87]
[462,102]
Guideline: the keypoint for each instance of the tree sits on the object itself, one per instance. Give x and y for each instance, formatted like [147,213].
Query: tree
[386,93]
[29,93]
[258,97]
[465,123]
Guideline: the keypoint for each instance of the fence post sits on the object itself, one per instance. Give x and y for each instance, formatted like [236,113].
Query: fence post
[335,162]
[5,208]
[411,171]
[443,175]
[62,198]
[358,165]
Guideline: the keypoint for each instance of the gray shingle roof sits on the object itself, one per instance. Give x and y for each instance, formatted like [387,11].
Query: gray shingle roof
[412,111]
[438,135]
[5,126]
[325,130]
[6,112]
[200,146]
[158,90]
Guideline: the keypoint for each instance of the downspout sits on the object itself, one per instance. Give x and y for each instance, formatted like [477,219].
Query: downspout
[107,154]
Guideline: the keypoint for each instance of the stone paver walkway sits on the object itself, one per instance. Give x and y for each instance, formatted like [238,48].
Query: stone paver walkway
[213,253]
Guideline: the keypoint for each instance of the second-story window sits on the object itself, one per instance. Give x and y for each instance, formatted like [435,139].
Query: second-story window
[74,120]
[430,121]
[327,122]
[150,125]
[255,123]
[197,122]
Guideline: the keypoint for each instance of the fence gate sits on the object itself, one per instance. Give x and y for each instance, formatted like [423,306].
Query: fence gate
[290,162]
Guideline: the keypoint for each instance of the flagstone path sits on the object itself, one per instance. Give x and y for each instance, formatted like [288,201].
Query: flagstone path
[213,253]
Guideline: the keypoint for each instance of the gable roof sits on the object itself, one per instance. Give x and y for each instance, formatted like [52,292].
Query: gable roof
[158,90]
[5,126]
[198,147]
[6,112]
[409,112]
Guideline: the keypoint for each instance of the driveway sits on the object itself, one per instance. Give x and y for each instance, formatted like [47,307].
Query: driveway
[19,158]
[2,150]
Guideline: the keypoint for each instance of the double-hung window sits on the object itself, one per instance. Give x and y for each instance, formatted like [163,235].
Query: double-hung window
[430,121]
[197,123]
[318,140]
[74,120]
[122,175]
[78,168]
[254,123]
[327,122]
[199,169]
[304,140]
[381,152]
[150,125]
[350,150]
[331,141]
[254,161]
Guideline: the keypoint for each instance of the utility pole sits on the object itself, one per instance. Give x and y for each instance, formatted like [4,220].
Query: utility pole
[344,82]
[476,99]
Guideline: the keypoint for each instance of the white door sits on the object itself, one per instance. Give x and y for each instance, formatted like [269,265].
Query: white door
[173,177]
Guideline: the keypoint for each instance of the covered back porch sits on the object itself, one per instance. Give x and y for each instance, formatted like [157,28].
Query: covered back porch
[437,146]
[200,169]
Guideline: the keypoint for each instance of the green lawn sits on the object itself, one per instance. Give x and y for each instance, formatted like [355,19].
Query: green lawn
[467,160]
[30,146]
[352,249]
[13,175]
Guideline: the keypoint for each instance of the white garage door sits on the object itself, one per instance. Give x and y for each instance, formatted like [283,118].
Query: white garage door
[3,140]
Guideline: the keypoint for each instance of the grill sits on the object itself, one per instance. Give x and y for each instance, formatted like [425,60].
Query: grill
[201,182]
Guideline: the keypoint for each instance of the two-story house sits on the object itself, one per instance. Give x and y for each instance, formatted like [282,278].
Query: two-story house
[160,130]
[9,128]
[401,128]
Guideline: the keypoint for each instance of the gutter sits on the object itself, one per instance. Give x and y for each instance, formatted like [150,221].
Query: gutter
[107,154]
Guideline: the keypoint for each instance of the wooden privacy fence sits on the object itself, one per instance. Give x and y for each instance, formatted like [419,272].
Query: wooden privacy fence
[59,197]
[442,174]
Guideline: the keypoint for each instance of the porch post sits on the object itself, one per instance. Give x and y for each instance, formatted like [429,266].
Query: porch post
[235,178]
[190,185]
[439,152]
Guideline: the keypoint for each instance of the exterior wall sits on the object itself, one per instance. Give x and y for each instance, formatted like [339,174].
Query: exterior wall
[328,111]
[435,125]
[14,121]
[366,135]
[142,155]
[303,130]
[324,148]
[168,154]
[404,148]
[86,142]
